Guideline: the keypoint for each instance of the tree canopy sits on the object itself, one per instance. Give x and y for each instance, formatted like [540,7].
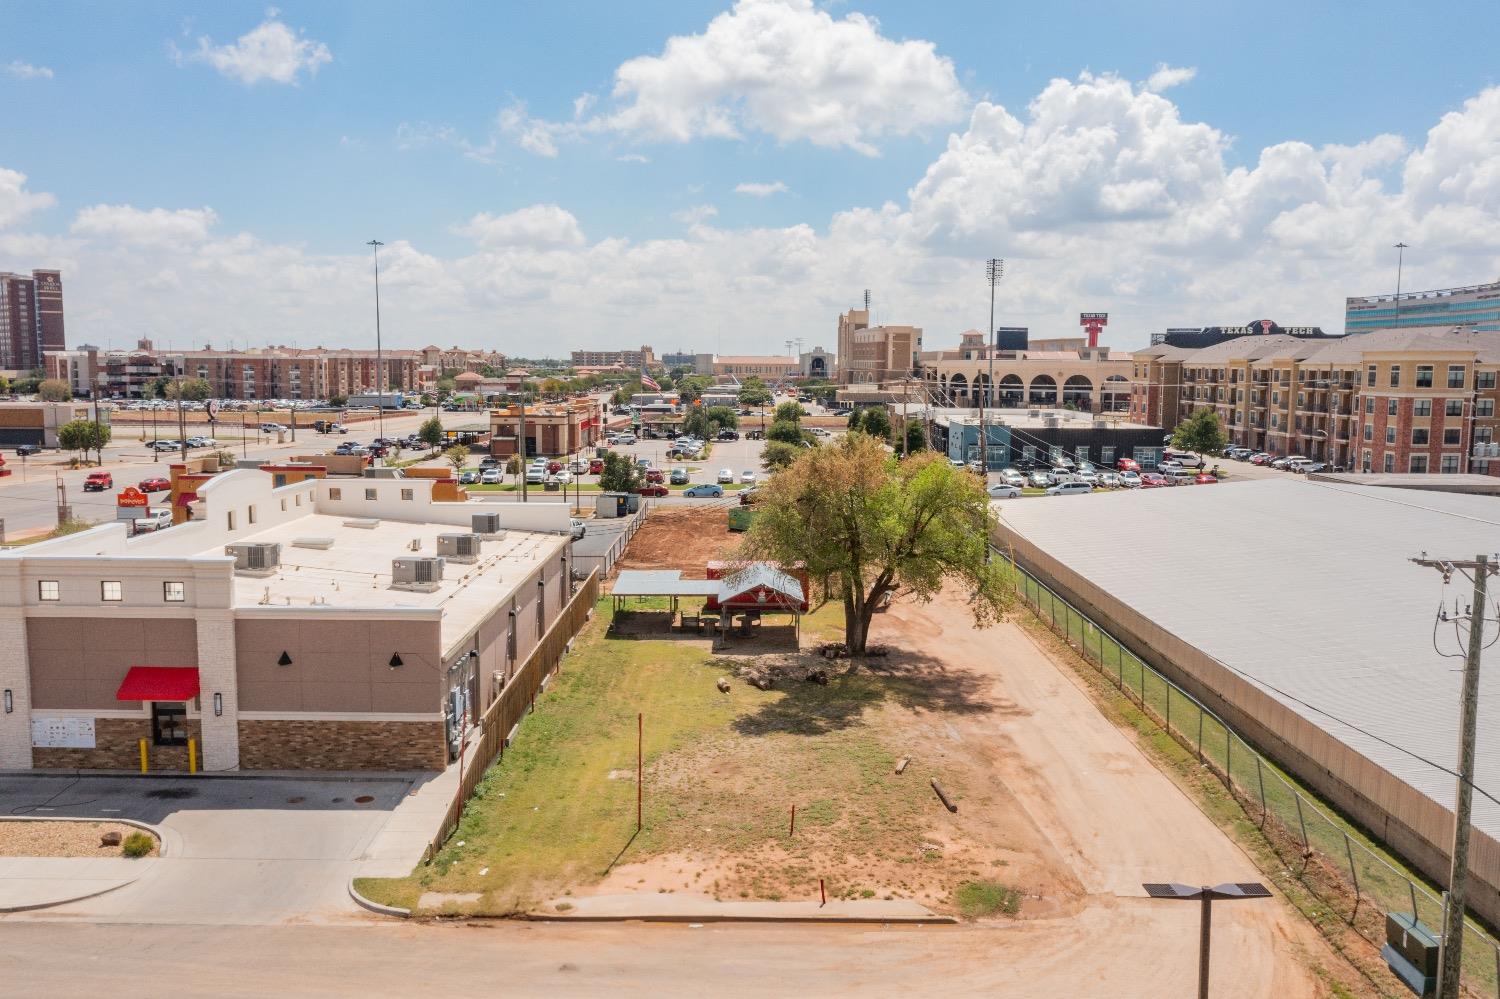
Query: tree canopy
[791,411]
[866,525]
[619,474]
[431,431]
[754,392]
[786,431]
[55,390]
[873,420]
[1201,433]
[457,456]
[777,455]
[84,435]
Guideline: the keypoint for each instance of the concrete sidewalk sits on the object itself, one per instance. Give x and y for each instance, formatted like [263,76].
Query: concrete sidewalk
[41,882]
[680,908]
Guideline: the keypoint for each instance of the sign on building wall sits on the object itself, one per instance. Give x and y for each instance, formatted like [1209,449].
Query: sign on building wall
[62,733]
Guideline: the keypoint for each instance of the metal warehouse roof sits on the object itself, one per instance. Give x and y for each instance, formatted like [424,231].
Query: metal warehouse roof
[1307,587]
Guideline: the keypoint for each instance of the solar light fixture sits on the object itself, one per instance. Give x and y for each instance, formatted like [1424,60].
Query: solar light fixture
[1207,896]
[395,662]
[284,660]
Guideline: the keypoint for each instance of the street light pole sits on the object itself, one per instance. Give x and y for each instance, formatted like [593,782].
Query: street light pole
[375,246]
[994,270]
[1400,249]
[1206,896]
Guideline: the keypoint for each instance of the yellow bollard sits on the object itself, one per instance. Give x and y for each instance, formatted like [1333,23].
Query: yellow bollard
[145,761]
[192,755]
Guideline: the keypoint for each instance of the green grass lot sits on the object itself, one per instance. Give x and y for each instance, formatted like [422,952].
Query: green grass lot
[558,810]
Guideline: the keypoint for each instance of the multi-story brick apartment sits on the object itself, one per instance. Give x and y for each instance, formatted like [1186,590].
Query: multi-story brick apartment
[31,319]
[1406,400]
[633,359]
[869,355]
[298,626]
[458,359]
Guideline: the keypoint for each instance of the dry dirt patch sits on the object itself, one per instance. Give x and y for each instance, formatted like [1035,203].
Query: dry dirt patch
[52,838]
[685,538]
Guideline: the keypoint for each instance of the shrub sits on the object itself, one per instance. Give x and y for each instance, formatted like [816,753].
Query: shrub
[986,898]
[137,844]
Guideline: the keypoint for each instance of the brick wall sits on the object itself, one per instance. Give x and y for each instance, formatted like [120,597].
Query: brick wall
[342,745]
[117,747]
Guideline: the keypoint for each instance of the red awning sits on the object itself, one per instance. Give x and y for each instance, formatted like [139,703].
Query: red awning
[159,683]
[183,499]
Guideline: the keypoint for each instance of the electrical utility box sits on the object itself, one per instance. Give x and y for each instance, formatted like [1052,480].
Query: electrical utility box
[1411,952]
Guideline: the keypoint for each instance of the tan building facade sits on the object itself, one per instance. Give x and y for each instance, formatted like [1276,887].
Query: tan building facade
[645,357]
[768,368]
[1084,378]
[869,355]
[552,429]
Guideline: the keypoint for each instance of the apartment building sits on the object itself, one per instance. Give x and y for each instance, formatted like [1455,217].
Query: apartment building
[645,357]
[768,368]
[320,624]
[873,354]
[31,318]
[1405,400]
[1476,305]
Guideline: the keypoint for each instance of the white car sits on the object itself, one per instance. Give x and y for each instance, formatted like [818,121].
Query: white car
[625,439]
[490,477]
[726,475]
[156,520]
[1130,480]
[578,466]
[748,477]
[1070,489]
[536,475]
[563,476]
[1012,477]
[1003,491]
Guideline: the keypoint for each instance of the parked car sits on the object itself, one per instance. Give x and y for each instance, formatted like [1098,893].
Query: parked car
[1261,458]
[578,466]
[1130,480]
[468,477]
[23,450]
[1184,458]
[562,477]
[1003,491]
[1183,478]
[1012,477]
[1040,479]
[679,477]
[490,477]
[1127,465]
[727,435]
[1108,480]
[1300,464]
[655,475]
[726,476]
[154,484]
[1069,489]
[596,466]
[554,466]
[97,482]
[1169,467]
[1204,479]
[154,520]
[625,439]
[704,489]
[489,461]
[166,445]
[652,489]
[536,475]
[748,477]
[1153,480]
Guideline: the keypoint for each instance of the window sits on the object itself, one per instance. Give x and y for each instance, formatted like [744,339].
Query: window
[1450,464]
[1301,399]
[1484,407]
[1424,376]
[1484,379]
[335,493]
[541,607]
[1422,407]
[1370,376]
[407,495]
[1364,462]
[1369,404]
[1419,463]
[48,589]
[169,723]
[1369,431]
[250,514]
[1390,462]
[1451,436]
[1107,455]
[110,589]
[370,494]
[1453,407]
[1455,376]
[1418,436]
[174,593]
[1390,407]
[1276,398]
[1396,375]
[229,518]
[1275,421]
[1390,434]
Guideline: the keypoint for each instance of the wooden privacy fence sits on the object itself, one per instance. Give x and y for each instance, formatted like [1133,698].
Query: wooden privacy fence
[515,699]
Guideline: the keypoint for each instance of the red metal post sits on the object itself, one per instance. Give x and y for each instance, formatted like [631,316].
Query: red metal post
[792,831]
[823,892]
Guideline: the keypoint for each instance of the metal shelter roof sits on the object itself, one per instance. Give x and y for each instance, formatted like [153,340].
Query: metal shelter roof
[662,583]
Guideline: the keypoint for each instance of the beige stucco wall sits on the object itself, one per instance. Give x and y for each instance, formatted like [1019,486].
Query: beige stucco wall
[80,662]
[338,665]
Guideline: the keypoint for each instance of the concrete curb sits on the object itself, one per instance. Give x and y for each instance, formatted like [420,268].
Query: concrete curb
[66,901]
[156,831]
[376,907]
[562,917]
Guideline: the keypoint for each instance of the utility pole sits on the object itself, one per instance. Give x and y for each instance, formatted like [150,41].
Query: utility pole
[1479,569]
[181,422]
[1400,249]
[521,444]
[994,270]
[375,246]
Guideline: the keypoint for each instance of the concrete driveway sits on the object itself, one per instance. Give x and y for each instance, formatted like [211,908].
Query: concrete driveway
[238,850]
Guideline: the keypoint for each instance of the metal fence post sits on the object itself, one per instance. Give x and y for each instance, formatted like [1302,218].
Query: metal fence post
[1260,778]
[1143,686]
[1200,734]
[1412,890]
[1228,772]
[1169,709]
[1119,666]
[1353,876]
[1306,846]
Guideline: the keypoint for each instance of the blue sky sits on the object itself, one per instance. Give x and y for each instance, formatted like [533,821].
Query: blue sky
[160,144]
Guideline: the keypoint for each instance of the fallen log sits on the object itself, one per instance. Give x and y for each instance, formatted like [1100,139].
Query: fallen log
[901,765]
[943,796]
[723,685]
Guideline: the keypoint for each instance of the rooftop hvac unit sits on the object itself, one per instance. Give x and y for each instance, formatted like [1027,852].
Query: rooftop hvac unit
[255,558]
[459,547]
[1033,413]
[1051,422]
[485,523]
[423,574]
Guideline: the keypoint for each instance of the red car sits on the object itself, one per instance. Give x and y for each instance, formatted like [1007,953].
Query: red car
[1151,480]
[553,467]
[1204,479]
[653,489]
[654,475]
[1127,465]
[98,482]
[155,484]
[596,466]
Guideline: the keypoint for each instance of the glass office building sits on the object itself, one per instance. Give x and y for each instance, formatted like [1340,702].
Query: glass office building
[1477,305]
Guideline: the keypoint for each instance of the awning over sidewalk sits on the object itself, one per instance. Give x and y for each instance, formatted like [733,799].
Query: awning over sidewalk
[159,683]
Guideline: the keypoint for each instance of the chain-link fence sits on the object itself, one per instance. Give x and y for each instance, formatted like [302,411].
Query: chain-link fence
[1330,857]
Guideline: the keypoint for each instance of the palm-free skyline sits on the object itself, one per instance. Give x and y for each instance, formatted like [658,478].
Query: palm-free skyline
[716,177]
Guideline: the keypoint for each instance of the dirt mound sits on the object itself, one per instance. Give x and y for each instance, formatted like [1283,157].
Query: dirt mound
[685,538]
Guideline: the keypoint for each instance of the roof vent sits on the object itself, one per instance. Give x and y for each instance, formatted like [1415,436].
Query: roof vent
[423,575]
[364,523]
[255,558]
[321,544]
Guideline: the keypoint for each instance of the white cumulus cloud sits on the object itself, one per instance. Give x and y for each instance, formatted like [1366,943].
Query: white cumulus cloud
[538,227]
[159,227]
[15,201]
[269,51]
[759,189]
[1166,77]
[786,69]
[26,71]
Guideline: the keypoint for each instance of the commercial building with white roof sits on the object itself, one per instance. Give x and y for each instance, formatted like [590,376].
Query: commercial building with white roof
[1292,609]
[325,624]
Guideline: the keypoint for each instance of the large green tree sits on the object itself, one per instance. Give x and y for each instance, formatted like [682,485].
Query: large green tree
[1201,433]
[777,455]
[84,436]
[754,392]
[791,411]
[916,435]
[431,431]
[785,431]
[873,420]
[55,390]
[620,474]
[866,525]
[189,389]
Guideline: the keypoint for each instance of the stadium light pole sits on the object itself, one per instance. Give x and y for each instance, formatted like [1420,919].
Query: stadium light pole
[994,269]
[375,246]
[1400,249]
[1206,896]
